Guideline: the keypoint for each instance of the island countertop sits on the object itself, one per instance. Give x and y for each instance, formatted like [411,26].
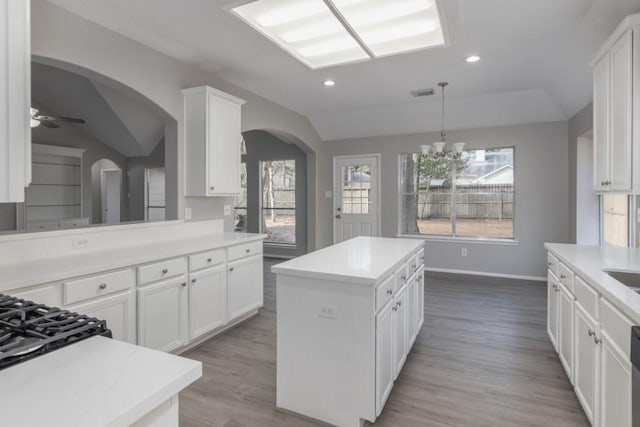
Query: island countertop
[95,382]
[361,260]
[591,264]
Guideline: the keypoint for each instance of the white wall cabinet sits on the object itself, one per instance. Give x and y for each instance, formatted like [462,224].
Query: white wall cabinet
[615,98]
[119,311]
[213,134]
[15,102]
[162,314]
[244,286]
[207,300]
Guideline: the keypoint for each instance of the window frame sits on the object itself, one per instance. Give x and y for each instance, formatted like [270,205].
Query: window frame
[261,208]
[246,198]
[451,237]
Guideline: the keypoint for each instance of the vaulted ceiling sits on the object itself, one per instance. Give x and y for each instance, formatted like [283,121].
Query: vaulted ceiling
[119,121]
[534,62]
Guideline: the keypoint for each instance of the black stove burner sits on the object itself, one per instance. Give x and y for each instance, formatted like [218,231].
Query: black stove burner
[28,329]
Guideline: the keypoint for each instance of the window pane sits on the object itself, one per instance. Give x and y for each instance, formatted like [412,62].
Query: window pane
[240,201]
[279,201]
[484,194]
[615,219]
[356,187]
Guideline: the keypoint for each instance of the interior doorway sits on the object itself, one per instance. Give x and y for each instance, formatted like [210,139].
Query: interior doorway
[110,190]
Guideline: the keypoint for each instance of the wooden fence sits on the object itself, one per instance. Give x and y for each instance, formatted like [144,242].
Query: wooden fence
[472,201]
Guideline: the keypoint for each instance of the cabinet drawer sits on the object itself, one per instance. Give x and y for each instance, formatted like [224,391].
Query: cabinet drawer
[565,276]
[587,297]
[420,257]
[552,263]
[384,292]
[96,286]
[245,250]
[161,270]
[616,325]
[207,259]
[401,277]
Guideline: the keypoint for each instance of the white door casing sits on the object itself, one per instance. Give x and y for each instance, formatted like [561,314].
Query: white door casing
[356,196]
[110,187]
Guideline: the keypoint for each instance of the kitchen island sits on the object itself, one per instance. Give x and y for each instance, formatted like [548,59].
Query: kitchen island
[348,316]
[96,382]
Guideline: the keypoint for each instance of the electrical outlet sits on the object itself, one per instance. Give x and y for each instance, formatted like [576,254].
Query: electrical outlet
[227,210]
[463,252]
[187,213]
[80,243]
[328,312]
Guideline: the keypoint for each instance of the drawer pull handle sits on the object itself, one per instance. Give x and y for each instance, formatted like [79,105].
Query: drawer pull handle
[209,260]
[194,280]
[389,292]
[591,333]
[165,271]
[399,303]
[597,340]
[103,286]
[394,308]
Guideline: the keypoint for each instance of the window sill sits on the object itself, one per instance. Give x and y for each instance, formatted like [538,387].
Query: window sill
[279,245]
[472,240]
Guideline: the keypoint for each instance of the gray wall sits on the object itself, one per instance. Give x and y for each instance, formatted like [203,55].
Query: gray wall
[135,175]
[541,204]
[578,126]
[263,146]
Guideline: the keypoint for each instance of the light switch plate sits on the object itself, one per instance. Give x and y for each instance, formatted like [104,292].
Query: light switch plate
[227,210]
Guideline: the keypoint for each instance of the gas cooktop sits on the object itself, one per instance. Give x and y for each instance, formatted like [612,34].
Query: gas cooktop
[28,329]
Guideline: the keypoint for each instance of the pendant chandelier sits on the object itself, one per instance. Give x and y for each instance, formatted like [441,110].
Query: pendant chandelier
[439,148]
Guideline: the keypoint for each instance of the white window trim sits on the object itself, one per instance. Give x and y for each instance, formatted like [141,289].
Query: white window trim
[459,239]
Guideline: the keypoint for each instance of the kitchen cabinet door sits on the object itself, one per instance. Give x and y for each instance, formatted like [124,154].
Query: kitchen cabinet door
[620,116]
[587,362]
[615,390]
[119,311]
[601,122]
[15,102]
[420,292]
[207,300]
[244,286]
[400,330]
[412,312]
[552,309]
[385,367]
[565,330]
[162,314]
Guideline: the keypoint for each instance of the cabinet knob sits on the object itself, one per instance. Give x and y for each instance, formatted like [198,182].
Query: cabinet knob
[230,268]
[184,284]
[591,332]
[597,340]
[549,264]
[165,271]
[209,260]
[399,303]
[403,277]
[212,188]
[389,292]
[103,286]
[248,250]
[194,280]
[562,276]
[394,308]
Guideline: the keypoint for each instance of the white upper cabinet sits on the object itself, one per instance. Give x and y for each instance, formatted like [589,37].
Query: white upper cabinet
[213,135]
[616,75]
[15,102]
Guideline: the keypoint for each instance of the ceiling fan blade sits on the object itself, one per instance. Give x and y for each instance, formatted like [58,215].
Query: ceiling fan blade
[50,125]
[44,118]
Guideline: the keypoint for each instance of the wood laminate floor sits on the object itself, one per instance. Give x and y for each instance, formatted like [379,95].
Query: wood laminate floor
[482,358]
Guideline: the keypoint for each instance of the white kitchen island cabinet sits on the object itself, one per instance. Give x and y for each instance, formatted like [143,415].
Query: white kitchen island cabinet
[346,322]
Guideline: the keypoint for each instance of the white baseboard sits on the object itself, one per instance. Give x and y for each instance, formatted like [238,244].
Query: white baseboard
[487,274]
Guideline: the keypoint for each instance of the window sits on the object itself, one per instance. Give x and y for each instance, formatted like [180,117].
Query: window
[278,202]
[478,204]
[615,219]
[356,187]
[240,201]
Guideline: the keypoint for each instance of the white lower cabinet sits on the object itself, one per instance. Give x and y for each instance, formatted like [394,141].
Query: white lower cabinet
[162,314]
[587,362]
[385,368]
[207,300]
[118,310]
[400,330]
[412,312]
[244,290]
[566,317]
[615,385]
[552,309]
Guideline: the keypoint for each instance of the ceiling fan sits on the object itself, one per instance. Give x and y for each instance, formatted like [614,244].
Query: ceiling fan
[38,119]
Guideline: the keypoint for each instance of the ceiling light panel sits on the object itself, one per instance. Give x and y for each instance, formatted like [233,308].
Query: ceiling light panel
[307,29]
[391,27]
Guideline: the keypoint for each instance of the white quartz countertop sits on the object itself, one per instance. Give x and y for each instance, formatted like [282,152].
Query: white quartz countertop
[95,382]
[52,267]
[359,260]
[590,263]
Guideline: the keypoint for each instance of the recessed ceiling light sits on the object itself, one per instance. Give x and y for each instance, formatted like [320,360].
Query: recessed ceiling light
[323,33]
[473,58]
[329,83]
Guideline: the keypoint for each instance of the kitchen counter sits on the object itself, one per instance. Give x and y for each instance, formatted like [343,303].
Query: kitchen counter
[589,262]
[360,260]
[51,258]
[95,382]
